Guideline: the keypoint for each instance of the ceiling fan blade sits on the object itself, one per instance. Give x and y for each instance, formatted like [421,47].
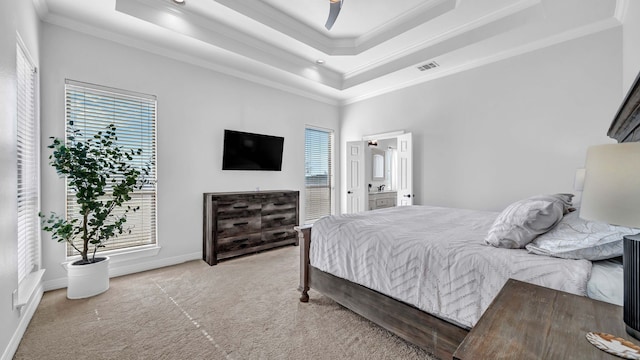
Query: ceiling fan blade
[334,10]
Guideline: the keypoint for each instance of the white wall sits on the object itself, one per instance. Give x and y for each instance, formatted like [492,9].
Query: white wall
[195,105]
[630,40]
[8,214]
[494,134]
[15,16]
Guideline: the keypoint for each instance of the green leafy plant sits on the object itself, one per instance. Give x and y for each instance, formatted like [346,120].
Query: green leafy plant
[103,177]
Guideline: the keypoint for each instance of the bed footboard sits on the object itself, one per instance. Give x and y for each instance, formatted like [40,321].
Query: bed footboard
[304,236]
[408,322]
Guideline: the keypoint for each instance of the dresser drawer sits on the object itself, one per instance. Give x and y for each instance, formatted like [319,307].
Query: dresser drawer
[279,234]
[279,203]
[235,243]
[227,209]
[288,217]
[239,225]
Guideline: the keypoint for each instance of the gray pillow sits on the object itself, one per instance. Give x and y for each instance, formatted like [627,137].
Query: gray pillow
[522,221]
[575,238]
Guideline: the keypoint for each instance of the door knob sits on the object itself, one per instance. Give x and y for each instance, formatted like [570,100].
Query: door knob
[407,195]
[349,192]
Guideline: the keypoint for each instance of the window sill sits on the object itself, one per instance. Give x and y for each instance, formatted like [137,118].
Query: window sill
[123,255]
[26,289]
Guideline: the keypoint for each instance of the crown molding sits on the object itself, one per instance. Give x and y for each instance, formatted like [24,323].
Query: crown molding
[569,35]
[276,69]
[277,20]
[403,23]
[253,72]
[220,35]
[486,27]
[42,9]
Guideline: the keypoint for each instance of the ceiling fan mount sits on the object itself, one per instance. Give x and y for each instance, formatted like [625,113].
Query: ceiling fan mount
[334,10]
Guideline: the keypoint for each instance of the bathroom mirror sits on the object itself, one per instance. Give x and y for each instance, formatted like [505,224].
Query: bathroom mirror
[377,158]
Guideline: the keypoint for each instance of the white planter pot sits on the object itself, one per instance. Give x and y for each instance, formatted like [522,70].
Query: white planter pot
[87,280]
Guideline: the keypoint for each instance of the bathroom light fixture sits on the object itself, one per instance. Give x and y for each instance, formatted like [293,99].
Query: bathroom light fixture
[179,2]
[320,62]
[372,143]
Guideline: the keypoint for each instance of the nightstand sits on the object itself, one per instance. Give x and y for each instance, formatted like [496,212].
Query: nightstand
[527,321]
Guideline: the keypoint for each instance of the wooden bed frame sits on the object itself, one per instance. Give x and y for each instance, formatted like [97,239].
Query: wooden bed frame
[430,333]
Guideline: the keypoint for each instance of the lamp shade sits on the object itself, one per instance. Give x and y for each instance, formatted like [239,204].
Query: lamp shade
[612,184]
[612,194]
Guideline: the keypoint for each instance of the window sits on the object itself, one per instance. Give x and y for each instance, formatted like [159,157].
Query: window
[318,158]
[27,151]
[90,108]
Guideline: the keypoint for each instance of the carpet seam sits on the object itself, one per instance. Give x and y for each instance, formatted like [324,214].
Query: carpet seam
[204,332]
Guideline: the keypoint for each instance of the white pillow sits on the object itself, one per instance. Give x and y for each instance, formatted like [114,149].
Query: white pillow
[575,238]
[522,221]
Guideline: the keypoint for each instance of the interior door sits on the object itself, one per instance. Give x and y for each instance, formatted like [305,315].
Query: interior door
[355,180]
[405,170]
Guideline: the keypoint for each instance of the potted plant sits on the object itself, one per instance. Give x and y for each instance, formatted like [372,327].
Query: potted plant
[101,174]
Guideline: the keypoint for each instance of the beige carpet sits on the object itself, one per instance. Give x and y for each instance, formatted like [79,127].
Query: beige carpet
[245,308]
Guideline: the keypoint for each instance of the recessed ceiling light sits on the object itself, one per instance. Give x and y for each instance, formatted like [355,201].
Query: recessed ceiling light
[179,2]
[320,62]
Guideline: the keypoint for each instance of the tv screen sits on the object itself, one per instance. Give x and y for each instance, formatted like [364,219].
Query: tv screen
[247,151]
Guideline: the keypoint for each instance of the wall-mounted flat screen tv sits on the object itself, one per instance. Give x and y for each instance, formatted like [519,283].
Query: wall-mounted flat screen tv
[247,151]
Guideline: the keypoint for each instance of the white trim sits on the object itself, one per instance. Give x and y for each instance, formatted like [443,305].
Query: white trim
[184,56]
[511,11]
[274,18]
[110,90]
[386,135]
[42,9]
[227,38]
[621,10]
[121,255]
[319,128]
[530,47]
[285,80]
[26,314]
[26,289]
[120,270]
[25,51]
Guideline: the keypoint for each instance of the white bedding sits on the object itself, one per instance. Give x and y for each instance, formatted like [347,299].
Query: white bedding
[607,281]
[434,258]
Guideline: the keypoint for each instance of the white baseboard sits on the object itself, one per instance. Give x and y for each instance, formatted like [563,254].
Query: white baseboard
[27,313]
[119,270]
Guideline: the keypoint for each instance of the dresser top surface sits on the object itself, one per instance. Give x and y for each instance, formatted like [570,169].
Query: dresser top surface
[261,192]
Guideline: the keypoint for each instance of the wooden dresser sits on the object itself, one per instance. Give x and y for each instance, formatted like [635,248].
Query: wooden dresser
[240,223]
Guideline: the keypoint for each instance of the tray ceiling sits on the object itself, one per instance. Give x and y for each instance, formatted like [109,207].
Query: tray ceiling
[374,47]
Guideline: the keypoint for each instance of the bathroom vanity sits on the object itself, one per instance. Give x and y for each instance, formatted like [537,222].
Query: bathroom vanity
[383,199]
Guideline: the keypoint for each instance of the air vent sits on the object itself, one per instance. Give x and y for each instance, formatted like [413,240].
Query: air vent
[428,66]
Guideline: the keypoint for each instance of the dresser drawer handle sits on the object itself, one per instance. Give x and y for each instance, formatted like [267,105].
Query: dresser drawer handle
[241,206]
[279,204]
[240,240]
[241,223]
[279,218]
[279,233]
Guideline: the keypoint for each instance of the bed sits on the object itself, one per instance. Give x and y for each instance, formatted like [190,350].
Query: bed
[426,273]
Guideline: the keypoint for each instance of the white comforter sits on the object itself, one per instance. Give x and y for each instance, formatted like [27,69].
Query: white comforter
[434,258]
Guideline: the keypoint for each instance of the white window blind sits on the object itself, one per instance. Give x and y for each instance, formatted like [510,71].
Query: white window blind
[27,144]
[91,108]
[318,155]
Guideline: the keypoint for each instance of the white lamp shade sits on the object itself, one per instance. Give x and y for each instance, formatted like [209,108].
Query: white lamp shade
[612,184]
